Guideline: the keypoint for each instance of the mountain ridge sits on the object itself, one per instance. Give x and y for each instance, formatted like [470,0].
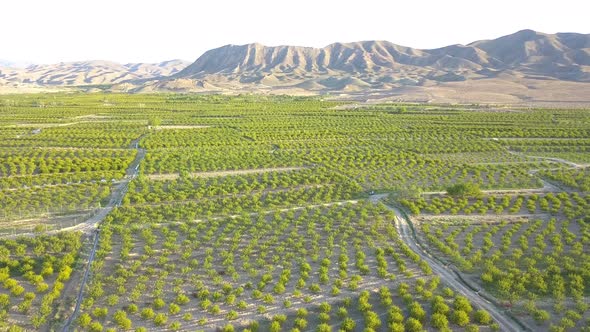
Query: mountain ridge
[520,67]
[511,52]
[90,72]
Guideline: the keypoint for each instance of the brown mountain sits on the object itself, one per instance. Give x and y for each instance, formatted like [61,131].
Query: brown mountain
[562,56]
[87,73]
[514,68]
[523,67]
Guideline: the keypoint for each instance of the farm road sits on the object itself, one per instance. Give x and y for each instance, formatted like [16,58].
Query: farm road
[448,276]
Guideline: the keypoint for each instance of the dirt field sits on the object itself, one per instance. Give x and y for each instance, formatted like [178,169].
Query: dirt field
[172,176]
[179,127]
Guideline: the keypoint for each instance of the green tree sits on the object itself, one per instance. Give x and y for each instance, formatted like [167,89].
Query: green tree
[413,325]
[154,121]
[173,309]
[482,317]
[460,317]
[324,328]
[541,316]
[232,315]
[462,303]
[416,311]
[147,313]
[439,321]
[84,320]
[464,190]
[372,320]
[348,324]
[120,317]
[160,319]
[275,326]
[96,327]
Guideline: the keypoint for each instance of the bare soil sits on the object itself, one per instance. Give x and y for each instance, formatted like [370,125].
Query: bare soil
[173,176]
[180,127]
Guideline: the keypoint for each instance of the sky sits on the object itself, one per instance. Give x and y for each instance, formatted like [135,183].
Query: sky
[43,31]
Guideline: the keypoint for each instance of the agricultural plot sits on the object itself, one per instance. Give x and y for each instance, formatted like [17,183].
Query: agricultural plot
[342,266]
[34,275]
[537,266]
[258,213]
[529,251]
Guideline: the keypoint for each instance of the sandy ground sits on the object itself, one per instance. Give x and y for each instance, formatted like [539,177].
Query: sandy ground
[172,176]
[180,127]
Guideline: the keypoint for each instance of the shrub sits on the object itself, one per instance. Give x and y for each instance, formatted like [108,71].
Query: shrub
[232,315]
[464,190]
[96,327]
[460,317]
[159,303]
[84,320]
[160,319]
[173,309]
[348,324]
[413,325]
[147,313]
[462,303]
[416,311]
[482,317]
[439,320]
[541,316]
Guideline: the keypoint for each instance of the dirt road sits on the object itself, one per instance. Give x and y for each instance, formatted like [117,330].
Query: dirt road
[448,276]
[117,195]
[91,225]
[84,281]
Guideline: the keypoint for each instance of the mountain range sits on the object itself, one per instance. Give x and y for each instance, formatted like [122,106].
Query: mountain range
[526,66]
[87,72]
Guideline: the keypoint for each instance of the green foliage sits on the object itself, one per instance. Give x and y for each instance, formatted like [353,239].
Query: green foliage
[96,326]
[439,320]
[464,190]
[300,229]
[462,303]
[482,317]
[147,313]
[173,309]
[160,319]
[460,317]
[154,121]
[413,325]
[84,320]
[417,312]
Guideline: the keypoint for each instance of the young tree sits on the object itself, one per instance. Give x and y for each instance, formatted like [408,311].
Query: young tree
[462,303]
[416,311]
[482,317]
[154,121]
[439,321]
[464,190]
[460,317]
[84,320]
[413,325]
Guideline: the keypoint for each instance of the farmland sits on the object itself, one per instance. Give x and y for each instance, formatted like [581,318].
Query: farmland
[280,213]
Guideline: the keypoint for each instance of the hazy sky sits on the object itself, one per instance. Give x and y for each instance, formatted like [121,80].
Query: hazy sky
[47,31]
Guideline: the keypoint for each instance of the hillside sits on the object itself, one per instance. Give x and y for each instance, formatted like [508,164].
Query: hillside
[87,73]
[524,67]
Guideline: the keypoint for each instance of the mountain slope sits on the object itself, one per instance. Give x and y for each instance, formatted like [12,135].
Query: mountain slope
[561,56]
[525,66]
[88,73]
[521,67]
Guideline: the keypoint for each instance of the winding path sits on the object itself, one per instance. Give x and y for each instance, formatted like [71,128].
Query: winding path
[554,159]
[448,276]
